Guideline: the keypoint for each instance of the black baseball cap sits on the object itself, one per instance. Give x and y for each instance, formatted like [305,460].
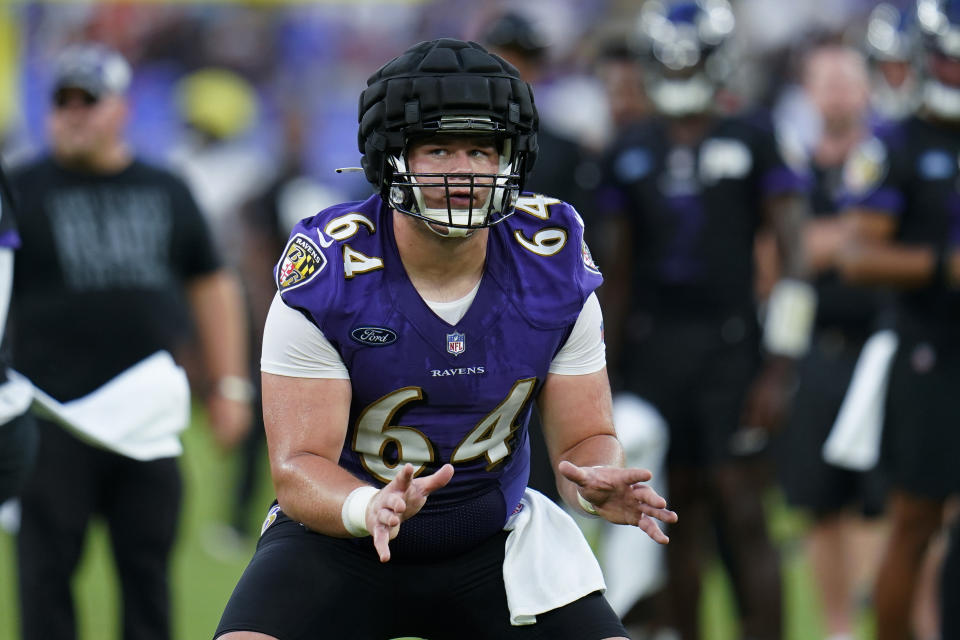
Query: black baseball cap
[93,68]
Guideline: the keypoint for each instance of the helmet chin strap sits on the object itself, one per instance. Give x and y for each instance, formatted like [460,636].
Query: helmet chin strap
[682,97]
[941,100]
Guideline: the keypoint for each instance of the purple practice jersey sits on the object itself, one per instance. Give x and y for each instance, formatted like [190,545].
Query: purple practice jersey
[427,392]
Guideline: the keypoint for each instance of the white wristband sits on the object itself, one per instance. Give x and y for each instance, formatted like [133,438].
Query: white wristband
[586,505]
[354,511]
[790,314]
[236,388]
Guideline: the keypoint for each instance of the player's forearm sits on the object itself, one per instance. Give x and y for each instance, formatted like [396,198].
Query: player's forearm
[312,489]
[889,265]
[790,215]
[218,312]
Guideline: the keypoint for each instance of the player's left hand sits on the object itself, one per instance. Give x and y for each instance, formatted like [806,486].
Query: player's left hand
[620,497]
[400,500]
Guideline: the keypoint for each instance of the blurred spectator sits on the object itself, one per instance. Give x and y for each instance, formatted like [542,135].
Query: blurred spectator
[620,67]
[113,249]
[221,163]
[842,547]
[689,192]
[562,169]
[903,192]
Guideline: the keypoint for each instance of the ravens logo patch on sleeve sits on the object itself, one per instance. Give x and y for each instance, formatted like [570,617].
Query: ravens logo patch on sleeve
[302,260]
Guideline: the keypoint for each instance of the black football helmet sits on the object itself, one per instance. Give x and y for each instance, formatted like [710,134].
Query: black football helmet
[939,22]
[438,87]
[892,47]
[682,40]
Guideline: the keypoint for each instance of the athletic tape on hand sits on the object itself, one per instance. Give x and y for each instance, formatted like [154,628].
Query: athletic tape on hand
[354,511]
[790,313]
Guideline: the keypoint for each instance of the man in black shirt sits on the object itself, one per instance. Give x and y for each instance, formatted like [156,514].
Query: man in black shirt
[115,255]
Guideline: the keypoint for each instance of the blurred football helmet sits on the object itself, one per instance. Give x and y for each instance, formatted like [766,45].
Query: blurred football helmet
[891,46]
[439,87]
[939,22]
[682,40]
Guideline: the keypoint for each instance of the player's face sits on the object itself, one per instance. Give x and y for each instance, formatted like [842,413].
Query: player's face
[838,84]
[895,72]
[82,126]
[459,156]
[945,69]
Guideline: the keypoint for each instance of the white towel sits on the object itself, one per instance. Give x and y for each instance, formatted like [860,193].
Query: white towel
[632,563]
[854,440]
[547,562]
[16,394]
[138,414]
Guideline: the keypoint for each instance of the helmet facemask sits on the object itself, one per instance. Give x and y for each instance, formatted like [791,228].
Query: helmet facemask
[406,188]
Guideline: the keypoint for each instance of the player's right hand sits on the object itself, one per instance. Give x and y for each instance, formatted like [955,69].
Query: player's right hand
[400,500]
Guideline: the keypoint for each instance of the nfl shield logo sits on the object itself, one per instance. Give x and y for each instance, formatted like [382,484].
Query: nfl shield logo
[456,343]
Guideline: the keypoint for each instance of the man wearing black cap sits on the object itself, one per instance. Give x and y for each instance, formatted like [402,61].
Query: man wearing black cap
[112,248]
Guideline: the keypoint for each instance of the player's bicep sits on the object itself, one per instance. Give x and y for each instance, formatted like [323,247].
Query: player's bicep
[574,408]
[304,416]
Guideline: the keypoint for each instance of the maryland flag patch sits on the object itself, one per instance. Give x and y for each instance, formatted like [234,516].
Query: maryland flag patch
[301,261]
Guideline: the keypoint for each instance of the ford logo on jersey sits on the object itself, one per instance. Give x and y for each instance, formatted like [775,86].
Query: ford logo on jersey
[374,336]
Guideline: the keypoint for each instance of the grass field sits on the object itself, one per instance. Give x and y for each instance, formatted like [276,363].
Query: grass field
[204,572]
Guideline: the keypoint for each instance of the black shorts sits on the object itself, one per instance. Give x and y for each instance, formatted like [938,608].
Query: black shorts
[302,585]
[808,481]
[696,373]
[921,433]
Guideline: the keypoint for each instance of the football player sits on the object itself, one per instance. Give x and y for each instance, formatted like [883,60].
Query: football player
[410,336]
[691,191]
[905,216]
[836,84]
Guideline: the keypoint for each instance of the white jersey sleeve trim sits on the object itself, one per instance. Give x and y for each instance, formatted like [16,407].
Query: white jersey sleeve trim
[584,351]
[293,346]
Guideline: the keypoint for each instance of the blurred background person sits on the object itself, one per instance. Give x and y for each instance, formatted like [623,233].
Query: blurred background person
[690,192]
[114,254]
[843,548]
[903,192]
[222,164]
[562,170]
[619,65]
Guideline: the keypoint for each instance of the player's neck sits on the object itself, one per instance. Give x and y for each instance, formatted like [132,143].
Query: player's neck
[441,269]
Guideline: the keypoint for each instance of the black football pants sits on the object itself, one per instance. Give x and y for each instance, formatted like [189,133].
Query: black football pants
[140,504]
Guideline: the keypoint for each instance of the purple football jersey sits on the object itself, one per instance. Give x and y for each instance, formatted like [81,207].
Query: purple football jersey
[427,392]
